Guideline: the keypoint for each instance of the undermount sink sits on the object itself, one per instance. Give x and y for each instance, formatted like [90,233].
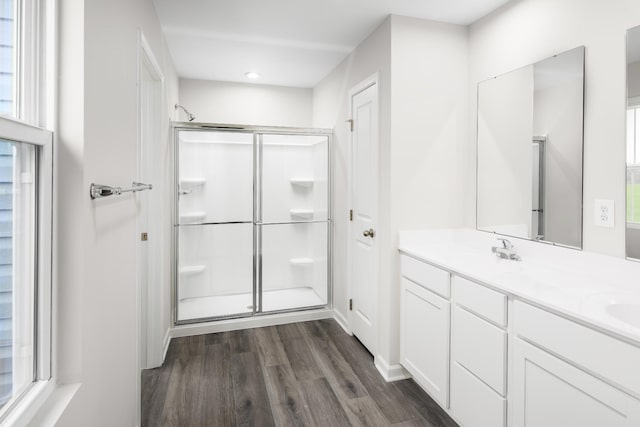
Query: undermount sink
[627,313]
[623,307]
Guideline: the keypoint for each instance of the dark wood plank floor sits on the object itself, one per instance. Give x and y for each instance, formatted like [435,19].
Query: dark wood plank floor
[301,374]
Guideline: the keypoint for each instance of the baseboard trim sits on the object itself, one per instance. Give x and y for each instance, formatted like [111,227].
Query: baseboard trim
[165,344]
[250,322]
[342,321]
[390,373]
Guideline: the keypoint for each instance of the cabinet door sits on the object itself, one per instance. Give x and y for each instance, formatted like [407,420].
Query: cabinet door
[552,393]
[425,339]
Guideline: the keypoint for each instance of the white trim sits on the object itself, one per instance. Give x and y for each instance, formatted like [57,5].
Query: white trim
[54,406]
[49,58]
[342,321]
[165,344]
[152,317]
[153,320]
[250,322]
[26,409]
[373,80]
[18,130]
[35,62]
[390,373]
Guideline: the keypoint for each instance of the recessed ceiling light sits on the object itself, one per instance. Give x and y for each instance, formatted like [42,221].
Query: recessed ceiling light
[252,75]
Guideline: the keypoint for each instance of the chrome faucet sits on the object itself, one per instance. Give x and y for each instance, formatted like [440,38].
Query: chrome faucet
[506,251]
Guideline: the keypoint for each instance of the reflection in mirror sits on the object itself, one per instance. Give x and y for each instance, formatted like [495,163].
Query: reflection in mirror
[633,143]
[530,127]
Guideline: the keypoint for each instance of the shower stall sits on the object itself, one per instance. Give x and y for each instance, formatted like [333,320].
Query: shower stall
[252,221]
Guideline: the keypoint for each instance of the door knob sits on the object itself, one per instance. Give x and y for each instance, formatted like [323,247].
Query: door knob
[369,233]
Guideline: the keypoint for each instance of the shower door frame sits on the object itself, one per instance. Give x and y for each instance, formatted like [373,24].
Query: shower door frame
[257,132]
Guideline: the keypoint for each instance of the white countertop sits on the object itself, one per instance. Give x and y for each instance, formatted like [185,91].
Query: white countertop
[573,283]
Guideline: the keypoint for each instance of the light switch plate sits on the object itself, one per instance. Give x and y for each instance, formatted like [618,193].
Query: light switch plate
[603,213]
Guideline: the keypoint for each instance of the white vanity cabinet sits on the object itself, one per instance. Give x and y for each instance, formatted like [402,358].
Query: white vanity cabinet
[531,344]
[425,326]
[566,374]
[478,355]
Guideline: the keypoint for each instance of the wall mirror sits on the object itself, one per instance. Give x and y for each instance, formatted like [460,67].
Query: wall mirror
[530,151]
[633,143]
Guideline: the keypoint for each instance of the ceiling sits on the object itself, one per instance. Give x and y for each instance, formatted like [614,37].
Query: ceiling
[288,42]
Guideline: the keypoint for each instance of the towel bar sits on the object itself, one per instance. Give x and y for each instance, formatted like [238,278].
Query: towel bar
[97,191]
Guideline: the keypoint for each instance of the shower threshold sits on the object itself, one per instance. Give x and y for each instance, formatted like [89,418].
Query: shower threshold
[228,305]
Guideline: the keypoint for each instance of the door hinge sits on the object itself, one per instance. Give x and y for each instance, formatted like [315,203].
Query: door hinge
[350,304]
[350,214]
[350,121]
[144,236]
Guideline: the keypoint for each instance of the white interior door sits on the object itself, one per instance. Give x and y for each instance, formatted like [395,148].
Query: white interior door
[364,201]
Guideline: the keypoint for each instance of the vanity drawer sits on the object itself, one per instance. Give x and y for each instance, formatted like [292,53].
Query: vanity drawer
[481,348]
[594,351]
[426,275]
[473,403]
[481,300]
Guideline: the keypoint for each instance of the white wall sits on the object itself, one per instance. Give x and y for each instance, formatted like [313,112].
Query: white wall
[247,104]
[526,31]
[97,241]
[423,118]
[330,110]
[429,65]
[70,201]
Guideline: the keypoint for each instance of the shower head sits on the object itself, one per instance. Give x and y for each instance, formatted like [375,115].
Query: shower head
[190,116]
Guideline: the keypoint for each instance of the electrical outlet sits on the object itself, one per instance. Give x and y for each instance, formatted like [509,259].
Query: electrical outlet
[603,213]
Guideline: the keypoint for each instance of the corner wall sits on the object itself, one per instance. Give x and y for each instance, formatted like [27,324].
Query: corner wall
[422,67]
[331,110]
[429,116]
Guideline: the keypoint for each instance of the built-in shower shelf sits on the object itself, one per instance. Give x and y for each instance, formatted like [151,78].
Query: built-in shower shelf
[302,182]
[192,270]
[193,217]
[301,262]
[301,213]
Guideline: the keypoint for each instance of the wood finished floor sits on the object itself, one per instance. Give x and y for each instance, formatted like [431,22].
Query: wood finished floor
[301,374]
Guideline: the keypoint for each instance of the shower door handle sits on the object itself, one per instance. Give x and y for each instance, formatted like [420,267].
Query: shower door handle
[369,233]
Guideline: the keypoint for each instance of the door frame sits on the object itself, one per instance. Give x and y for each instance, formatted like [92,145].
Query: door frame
[373,80]
[149,303]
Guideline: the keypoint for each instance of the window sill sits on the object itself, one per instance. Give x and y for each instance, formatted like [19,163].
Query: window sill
[42,406]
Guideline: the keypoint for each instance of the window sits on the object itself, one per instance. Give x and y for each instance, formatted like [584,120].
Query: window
[633,164]
[26,176]
[25,259]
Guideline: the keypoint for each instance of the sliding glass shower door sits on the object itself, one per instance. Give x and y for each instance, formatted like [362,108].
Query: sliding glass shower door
[294,217]
[215,224]
[252,222]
